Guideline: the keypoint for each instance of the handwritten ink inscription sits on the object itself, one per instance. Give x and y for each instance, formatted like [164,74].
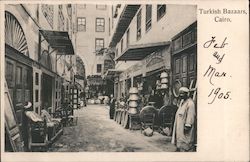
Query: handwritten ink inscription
[212,73]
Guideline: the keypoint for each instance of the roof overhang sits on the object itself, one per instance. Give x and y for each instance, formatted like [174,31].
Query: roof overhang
[139,52]
[111,72]
[59,40]
[126,17]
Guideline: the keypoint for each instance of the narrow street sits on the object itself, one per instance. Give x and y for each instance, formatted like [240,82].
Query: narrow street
[96,132]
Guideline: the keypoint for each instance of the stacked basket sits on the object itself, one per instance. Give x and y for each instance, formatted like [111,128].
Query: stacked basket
[133,100]
[164,80]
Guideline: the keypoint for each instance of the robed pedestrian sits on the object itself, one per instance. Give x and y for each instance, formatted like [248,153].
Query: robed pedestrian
[184,125]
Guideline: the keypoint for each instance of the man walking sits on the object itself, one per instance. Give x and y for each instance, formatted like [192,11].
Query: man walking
[184,131]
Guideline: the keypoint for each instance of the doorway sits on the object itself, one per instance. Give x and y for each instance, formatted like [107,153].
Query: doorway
[46,92]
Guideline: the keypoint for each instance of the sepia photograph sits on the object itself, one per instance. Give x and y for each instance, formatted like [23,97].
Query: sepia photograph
[100,77]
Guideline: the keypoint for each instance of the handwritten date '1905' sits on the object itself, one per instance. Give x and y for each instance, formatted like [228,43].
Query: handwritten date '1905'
[217,94]
[212,73]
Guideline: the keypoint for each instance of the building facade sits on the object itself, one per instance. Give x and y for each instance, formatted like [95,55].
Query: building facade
[39,55]
[92,36]
[92,41]
[141,36]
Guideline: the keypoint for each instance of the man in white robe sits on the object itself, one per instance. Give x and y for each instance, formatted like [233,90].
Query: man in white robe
[183,130]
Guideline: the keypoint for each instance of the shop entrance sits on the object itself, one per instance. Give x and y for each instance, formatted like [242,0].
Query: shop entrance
[46,91]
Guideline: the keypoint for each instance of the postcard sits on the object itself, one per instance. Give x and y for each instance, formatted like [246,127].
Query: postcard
[124,80]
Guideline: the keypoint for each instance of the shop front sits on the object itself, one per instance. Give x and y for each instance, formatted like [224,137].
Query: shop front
[28,80]
[18,70]
[145,75]
[95,86]
[184,59]
[57,44]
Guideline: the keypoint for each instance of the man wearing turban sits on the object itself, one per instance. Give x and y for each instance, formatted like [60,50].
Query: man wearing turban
[183,130]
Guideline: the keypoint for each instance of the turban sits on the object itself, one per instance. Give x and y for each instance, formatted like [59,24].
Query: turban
[29,104]
[184,89]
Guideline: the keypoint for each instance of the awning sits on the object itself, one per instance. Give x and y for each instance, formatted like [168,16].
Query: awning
[139,52]
[156,71]
[59,40]
[112,72]
[126,17]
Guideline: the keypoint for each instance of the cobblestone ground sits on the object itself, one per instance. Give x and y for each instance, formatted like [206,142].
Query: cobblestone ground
[96,132]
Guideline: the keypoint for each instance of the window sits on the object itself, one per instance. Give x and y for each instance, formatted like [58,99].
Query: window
[48,12]
[19,75]
[161,10]
[128,38]
[184,64]
[99,44]
[109,26]
[99,68]
[36,95]
[81,24]
[36,78]
[61,20]
[9,72]
[148,17]
[82,6]
[116,52]
[192,62]
[138,34]
[37,110]
[121,45]
[112,17]
[100,25]
[177,66]
[101,7]
[67,24]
